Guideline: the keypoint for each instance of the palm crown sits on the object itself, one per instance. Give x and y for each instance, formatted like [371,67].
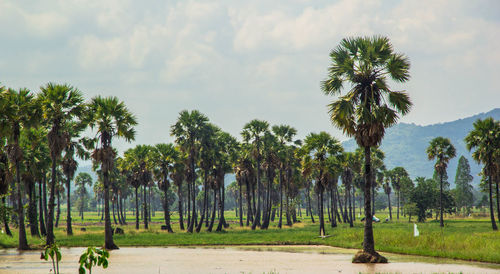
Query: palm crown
[370,105]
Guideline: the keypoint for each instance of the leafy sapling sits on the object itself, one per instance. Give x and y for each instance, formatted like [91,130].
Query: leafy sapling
[92,256]
[54,253]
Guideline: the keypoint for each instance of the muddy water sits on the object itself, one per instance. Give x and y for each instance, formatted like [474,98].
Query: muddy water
[247,259]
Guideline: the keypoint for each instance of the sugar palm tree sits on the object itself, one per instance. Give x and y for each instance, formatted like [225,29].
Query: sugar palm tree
[322,146]
[485,140]
[164,156]
[254,132]
[347,178]
[443,151]
[388,190]
[306,170]
[82,180]
[370,106]
[188,133]
[285,135]
[177,176]
[110,118]
[60,104]
[69,164]
[19,110]
[396,175]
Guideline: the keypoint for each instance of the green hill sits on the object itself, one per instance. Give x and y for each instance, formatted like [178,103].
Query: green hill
[405,144]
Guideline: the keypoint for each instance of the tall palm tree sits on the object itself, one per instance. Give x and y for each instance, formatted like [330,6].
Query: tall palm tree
[254,131]
[322,146]
[306,169]
[19,110]
[188,133]
[370,106]
[347,178]
[226,155]
[110,118]
[164,156]
[285,135]
[69,164]
[177,176]
[82,180]
[396,176]
[485,140]
[442,150]
[388,190]
[60,104]
[207,141]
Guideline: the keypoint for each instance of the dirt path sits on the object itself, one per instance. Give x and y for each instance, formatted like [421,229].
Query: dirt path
[232,260]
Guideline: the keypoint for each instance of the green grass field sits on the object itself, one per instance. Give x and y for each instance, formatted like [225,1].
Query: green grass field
[461,238]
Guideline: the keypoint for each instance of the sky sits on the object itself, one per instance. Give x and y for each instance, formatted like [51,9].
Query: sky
[240,60]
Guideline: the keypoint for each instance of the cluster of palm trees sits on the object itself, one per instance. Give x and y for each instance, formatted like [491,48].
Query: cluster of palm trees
[484,139]
[41,136]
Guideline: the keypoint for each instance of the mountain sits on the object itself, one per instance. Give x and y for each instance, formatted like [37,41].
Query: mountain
[405,144]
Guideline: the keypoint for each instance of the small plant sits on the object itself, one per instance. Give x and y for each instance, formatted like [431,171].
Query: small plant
[54,253]
[92,256]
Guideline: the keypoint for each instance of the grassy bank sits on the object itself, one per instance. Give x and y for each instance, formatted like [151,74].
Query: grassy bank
[467,239]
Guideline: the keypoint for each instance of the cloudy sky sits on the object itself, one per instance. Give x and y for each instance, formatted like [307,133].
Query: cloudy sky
[240,60]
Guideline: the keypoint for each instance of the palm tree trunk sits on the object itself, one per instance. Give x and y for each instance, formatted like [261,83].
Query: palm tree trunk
[113,202]
[108,232]
[287,213]
[23,242]
[137,209]
[498,200]
[309,202]
[204,208]
[390,208]
[145,205]
[179,209]
[256,221]
[50,217]
[350,208]
[32,210]
[249,202]
[44,190]
[4,219]
[222,221]
[329,203]
[342,212]
[189,205]
[40,204]
[321,215]
[241,203]
[492,214]
[58,213]
[373,198]
[333,205]
[118,209]
[368,242]
[281,200]
[441,223]
[69,229]
[353,202]
[150,206]
[166,209]
[398,203]
[212,218]
[193,197]
[123,210]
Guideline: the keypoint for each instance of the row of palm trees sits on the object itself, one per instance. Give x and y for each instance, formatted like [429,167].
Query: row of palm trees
[203,152]
[49,125]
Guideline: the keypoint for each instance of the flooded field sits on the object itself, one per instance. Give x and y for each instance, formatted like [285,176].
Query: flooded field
[237,259]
